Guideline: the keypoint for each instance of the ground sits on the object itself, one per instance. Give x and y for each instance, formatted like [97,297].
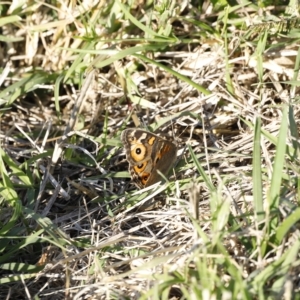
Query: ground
[219,82]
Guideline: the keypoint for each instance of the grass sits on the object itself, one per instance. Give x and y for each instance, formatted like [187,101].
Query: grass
[224,225]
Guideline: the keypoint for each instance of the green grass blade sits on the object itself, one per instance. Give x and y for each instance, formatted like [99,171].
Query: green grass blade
[23,86]
[9,19]
[178,75]
[26,241]
[278,269]
[279,163]
[16,171]
[261,46]
[257,173]
[138,24]
[201,171]
[294,133]
[16,278]
[286,225]
[229,84]
[118,55]
[7,191]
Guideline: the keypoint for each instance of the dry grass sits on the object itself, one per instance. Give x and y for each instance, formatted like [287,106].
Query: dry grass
[72,226]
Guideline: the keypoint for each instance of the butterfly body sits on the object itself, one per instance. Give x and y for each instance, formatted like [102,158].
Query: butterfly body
[147,153]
